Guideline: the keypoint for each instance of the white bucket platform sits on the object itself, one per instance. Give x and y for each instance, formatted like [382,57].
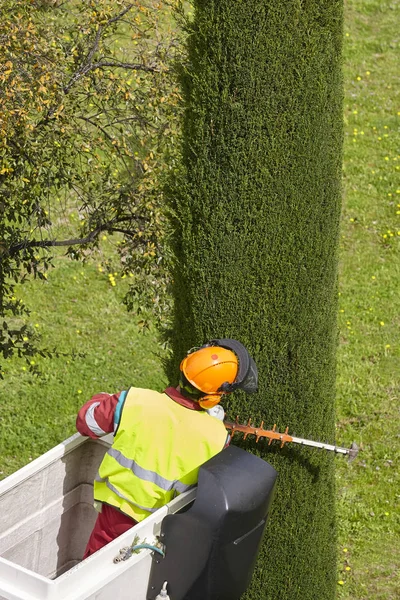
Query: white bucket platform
[46,516]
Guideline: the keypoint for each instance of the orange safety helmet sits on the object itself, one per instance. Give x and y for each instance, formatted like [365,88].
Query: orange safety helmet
[207,369]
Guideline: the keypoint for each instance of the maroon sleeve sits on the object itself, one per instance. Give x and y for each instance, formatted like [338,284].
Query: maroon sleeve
[96,417]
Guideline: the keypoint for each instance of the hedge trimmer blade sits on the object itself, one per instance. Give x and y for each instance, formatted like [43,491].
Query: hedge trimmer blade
[284,438]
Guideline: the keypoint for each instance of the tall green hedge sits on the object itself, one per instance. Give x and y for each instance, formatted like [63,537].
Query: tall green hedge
[256,207]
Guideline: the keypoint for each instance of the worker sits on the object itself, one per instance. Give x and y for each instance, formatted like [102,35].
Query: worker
[161,439]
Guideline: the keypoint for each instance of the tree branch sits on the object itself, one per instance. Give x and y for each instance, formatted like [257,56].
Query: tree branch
[87,64]
[97,125]
[119,16]
[71,242]
[116,63]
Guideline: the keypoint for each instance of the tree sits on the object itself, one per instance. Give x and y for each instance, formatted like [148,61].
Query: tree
[87,110]
[256,207]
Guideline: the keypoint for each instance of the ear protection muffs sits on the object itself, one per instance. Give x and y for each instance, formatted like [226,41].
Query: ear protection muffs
[247,376]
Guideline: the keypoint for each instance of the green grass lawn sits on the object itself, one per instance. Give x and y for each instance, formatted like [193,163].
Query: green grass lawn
[78,309]
[369,317]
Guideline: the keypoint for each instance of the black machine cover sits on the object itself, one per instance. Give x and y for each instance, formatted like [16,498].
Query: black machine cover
[211,549]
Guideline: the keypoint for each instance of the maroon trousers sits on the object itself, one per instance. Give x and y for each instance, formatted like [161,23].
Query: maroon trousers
[110,524]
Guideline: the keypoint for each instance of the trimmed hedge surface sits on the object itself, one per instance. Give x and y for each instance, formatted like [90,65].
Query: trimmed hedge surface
[256,207]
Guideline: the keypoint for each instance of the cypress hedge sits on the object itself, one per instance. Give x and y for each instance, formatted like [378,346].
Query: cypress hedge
[256,205]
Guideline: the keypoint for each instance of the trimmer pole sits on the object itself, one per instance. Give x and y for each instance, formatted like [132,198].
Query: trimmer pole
[284,438]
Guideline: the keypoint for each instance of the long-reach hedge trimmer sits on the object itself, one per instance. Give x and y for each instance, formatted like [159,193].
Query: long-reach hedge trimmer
[284,438]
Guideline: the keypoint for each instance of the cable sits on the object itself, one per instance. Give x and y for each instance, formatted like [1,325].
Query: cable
[126,553]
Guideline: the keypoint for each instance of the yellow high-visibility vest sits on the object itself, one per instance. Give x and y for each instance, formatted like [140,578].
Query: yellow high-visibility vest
[158,449]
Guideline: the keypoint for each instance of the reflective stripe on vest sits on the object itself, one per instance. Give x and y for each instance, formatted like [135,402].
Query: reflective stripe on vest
[158,449]
[91,421]
[146,474]
[115,491]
